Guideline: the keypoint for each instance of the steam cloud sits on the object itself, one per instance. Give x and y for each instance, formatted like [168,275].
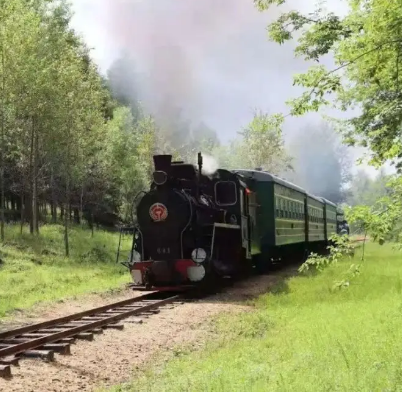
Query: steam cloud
[209,58]
[210,164]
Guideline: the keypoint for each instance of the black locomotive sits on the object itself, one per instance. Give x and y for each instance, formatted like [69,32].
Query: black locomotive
[193,228]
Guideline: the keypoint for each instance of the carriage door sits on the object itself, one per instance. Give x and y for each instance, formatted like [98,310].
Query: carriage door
[245,225]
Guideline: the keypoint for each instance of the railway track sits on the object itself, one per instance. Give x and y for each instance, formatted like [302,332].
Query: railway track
[43,340]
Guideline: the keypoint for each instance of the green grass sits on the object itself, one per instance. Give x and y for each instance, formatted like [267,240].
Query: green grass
[34,269]
[303,336]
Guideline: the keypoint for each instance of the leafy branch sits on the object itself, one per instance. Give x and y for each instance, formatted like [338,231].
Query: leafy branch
[339,247]
[321,83]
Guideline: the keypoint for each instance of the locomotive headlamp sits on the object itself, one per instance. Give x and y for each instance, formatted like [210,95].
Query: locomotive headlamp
[199,255]
[160,178]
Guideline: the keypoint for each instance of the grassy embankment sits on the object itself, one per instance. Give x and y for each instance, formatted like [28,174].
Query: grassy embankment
[34,269]
[303,336]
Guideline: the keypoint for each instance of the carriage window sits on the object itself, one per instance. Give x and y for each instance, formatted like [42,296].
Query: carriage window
[225,193]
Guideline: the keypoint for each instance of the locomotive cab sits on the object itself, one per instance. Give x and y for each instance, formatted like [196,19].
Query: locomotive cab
[191,227]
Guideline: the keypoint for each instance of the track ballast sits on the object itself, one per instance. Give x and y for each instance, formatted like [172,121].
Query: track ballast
[43,339]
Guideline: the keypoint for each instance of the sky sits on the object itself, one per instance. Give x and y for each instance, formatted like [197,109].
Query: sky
[211,57]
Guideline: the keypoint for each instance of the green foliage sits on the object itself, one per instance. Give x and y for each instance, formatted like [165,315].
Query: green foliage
[307,338]
[352,273]
[34,270]
[381,221]
[339,247]
[366,47]
[259,145]
[64,142]
[128,156]
[366,191]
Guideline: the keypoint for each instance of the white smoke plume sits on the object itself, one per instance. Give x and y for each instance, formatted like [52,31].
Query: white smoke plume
[209,58]
[209,164]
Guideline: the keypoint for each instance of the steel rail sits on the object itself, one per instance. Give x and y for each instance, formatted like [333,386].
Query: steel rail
[16,349]
[72,317]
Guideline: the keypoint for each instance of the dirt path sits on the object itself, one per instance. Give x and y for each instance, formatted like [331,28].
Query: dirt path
[111,357]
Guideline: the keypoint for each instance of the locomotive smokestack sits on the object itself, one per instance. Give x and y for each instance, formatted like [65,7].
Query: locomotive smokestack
[200,162]
[163,162]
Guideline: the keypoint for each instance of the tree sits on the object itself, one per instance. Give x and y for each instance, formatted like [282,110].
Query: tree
[367,191]
[259,145]
[128,156]
[53,106]
[366,48]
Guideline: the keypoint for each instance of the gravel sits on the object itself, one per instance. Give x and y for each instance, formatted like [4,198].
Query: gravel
[111,358]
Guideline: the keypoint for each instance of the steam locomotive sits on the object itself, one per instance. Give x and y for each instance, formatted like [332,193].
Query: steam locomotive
[195,228]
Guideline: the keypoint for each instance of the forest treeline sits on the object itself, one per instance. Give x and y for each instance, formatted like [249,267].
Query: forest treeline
[76,145]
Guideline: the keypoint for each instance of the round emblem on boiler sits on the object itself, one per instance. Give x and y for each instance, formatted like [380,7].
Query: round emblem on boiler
[158,212]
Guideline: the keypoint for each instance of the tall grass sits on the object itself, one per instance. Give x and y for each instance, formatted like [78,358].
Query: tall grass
[304,336]
[34,269]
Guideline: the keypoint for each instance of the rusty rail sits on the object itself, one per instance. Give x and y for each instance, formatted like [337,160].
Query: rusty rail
[45,338]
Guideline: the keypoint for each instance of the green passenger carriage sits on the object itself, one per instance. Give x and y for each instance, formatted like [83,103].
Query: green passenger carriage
[285,220]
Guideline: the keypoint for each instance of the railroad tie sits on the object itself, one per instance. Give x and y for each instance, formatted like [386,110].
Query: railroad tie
[40,354]
[85,336]
[9,361]
[117,326]
[134,320]
[43,340]
[5,371]
[60,348]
